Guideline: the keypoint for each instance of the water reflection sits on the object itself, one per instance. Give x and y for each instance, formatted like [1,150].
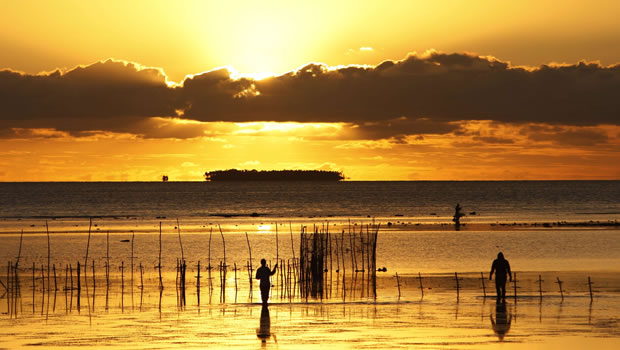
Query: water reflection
[263,332]
[501,322]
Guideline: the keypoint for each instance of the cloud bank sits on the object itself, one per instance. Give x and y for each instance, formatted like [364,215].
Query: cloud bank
[433,93]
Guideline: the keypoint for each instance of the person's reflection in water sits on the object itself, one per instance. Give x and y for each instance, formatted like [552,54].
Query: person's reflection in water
[501,322]
[263,332]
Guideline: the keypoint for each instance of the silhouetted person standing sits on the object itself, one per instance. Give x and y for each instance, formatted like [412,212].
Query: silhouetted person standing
[263,273]
[501,267]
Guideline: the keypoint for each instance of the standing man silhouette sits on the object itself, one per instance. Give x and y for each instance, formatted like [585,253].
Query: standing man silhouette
[501,267]
[263,273]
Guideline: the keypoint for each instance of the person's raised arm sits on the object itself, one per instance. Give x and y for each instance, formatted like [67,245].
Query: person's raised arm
[274,269]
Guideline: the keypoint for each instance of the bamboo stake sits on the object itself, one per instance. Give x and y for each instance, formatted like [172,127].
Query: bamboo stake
[540,291]
[107,267]
[484,290]
[209,262]
[180,243]
[456,277]
[161,283]
[514,280]
[224,245]
[79,284]
[90,224]
[198,283]
[292,242]
[133,236]
[141,277]
[48,254]
[560,286]
[9,289]
[55,285]
[398,284]
[250,269]
[590,288]
[19,253]
[422,288]
[94,280]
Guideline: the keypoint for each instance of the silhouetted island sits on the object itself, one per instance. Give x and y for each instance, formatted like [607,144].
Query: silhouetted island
[273,175]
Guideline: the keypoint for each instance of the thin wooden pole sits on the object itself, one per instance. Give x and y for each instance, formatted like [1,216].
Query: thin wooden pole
[180,243]
[398,284]
[590,288]
[133,237]
[55,285]
[19,253]
[48,253]
[161,283]
[421,287]
[250,269]
[107,267]
[540,291]
[456,278]
[514,280]
[209,268]
[224,246]
[90,224]
[484,290]
[560,286]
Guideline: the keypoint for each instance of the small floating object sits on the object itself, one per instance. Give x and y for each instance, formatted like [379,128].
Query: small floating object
[433,213]
[254,215]
[389,223]
[472,213]
[124,240]
[382,269]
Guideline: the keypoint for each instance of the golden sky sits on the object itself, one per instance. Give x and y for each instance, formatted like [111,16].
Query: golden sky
[399,90]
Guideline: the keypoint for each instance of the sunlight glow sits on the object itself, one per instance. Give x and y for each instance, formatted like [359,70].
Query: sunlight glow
[263,228]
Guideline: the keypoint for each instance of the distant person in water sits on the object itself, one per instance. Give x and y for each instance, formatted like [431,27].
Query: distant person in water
[501,267]
[263,273]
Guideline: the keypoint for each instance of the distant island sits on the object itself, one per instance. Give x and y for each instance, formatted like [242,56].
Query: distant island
[273,175]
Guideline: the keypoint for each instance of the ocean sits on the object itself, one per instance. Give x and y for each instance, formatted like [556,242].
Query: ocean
[434,201]
[416,233]
[557,235]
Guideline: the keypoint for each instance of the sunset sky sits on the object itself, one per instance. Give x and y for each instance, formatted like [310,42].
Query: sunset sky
[399,90]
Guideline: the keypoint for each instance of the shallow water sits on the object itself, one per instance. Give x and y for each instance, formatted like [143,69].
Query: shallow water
[356,317]
[402,250]
[141,319]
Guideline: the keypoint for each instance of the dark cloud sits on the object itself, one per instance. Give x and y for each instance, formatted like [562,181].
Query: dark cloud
[571,137]
[104,96]
[442,87]
[426,94]
[493,140]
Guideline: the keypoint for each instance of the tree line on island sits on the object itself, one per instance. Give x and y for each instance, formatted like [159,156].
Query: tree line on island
[273,175]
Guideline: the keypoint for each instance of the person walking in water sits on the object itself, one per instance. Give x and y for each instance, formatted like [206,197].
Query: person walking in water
[263,273]
[501,267]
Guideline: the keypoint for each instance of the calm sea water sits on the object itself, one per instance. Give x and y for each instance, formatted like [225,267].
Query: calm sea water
[426,201]
[127,208]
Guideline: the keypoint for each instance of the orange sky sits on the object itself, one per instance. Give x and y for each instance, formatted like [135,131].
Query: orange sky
[477,90]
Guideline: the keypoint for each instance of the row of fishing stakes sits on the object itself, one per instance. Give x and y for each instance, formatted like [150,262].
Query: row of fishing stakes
[312,274]
[484,290]
[322,258]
